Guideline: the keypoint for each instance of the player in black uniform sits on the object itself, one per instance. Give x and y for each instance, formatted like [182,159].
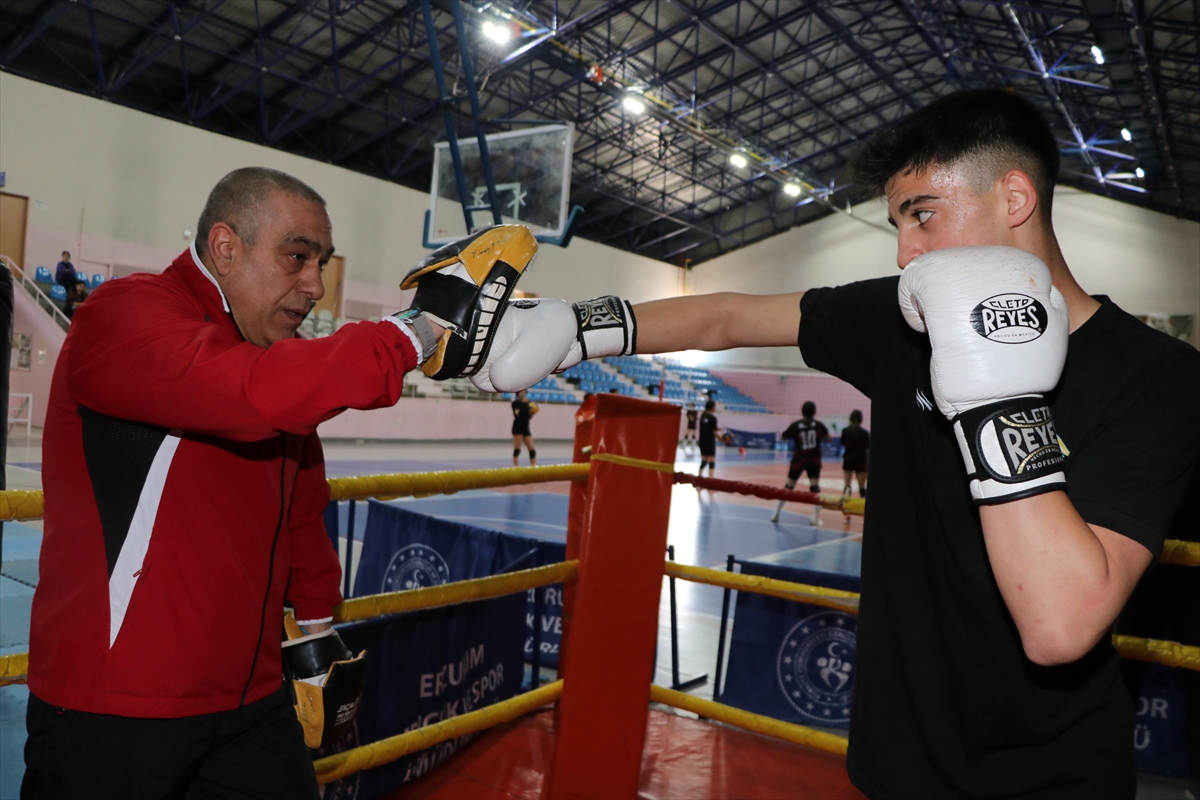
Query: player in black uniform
[523,411]
[689,437]
[1016,498]
[807,434]
[856,449]
[708,438]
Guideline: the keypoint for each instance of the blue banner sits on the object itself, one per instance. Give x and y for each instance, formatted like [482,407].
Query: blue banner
[1160,733]
[751,439]
[793,661]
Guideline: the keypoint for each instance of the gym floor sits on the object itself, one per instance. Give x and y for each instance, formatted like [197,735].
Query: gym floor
[704,528]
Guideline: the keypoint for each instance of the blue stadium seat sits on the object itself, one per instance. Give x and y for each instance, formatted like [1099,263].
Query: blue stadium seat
[97,279]
[57,292]
[81,276]
[42,275]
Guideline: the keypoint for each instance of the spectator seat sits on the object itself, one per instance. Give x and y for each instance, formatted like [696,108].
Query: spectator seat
[43,275]
[57,292]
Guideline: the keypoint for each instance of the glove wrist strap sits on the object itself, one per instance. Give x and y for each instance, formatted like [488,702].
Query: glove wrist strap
[420,326]
[607,327]
[1010,449]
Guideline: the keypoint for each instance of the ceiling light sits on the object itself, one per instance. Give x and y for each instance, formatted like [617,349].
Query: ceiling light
[497,33]
[1141,173]
[1097,54]
[791,190]
[633,104]
[738,160]
[1126,135]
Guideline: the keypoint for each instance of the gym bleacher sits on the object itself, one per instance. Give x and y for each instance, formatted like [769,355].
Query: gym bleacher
[57,293]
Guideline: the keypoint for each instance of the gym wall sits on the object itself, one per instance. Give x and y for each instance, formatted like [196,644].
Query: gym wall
[127,184]
[1146,261]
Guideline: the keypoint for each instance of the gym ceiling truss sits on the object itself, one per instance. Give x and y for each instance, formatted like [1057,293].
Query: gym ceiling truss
[790,86]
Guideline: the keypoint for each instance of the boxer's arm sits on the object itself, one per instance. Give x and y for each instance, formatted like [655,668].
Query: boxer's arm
[1064,581]
[717,322]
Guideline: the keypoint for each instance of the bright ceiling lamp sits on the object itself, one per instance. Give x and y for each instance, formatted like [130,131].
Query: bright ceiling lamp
[791,190]
[633,104]
[1126,135]
[497,33]
[1141,173]
[1097,54]
[738,160]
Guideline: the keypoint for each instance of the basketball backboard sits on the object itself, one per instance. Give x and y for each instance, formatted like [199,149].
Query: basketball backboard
[532,169]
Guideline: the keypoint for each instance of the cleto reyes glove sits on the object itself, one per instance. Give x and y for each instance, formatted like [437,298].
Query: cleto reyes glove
[999,330]
[465,287]
[538,337]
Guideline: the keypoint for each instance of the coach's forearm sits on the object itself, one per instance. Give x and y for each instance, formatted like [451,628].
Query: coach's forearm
[1063,581]
[718,322]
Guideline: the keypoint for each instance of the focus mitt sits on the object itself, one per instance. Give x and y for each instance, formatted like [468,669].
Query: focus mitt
[326,680]
[464,287]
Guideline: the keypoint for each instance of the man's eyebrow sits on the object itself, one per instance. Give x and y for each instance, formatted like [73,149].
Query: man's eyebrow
[921,198]
[312,245]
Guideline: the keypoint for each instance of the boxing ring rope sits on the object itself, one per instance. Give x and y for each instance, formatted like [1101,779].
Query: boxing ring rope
[16,505]
[385,751]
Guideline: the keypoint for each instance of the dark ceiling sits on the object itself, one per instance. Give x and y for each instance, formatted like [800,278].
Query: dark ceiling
[796,85]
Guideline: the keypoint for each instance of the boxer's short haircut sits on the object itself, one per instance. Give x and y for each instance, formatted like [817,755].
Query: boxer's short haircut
[236,197]
[990,130]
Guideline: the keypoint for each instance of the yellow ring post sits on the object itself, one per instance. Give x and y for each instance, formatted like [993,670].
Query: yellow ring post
[769,726]
[388,750]
[376,605]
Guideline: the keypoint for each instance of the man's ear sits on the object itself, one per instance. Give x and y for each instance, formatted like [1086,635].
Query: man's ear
[1019,196]
[224,246]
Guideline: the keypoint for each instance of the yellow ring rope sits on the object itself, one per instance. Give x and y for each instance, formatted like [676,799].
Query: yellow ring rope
[1176,551]
[790,732]
[376,605]
[800,592]
[388,750]
[1172,654]
[14,668]
[424,484]
[639,463]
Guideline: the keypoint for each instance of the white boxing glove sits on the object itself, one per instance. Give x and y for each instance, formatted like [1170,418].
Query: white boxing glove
[538,337]
[998,329]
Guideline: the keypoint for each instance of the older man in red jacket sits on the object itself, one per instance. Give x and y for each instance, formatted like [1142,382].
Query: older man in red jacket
[185,486]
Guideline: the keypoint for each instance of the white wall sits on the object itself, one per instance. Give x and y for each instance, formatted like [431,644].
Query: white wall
[127,177]
[1146,261]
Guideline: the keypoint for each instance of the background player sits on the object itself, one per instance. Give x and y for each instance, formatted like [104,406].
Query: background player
[708,438]
[523,411]
[856,449]
[807,433]
[689,437]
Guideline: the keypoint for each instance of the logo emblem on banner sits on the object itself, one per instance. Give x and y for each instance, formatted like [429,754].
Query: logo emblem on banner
[415,566]
[816,666]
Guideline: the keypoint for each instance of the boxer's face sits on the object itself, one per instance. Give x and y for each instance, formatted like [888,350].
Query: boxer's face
[272,284]
[944,207]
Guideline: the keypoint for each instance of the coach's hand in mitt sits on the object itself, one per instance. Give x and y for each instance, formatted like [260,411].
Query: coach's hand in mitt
[465,287]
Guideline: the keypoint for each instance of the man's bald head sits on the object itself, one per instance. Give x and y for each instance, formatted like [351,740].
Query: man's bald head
[239,197]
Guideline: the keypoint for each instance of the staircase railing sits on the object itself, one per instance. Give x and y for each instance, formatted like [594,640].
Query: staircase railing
[41,297]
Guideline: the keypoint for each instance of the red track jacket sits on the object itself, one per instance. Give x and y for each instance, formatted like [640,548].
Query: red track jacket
[184,489]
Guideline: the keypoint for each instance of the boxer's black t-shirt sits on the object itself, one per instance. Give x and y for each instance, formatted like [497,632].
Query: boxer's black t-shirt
[946,704]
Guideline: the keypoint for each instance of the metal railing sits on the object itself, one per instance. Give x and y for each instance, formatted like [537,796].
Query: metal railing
[41,297]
